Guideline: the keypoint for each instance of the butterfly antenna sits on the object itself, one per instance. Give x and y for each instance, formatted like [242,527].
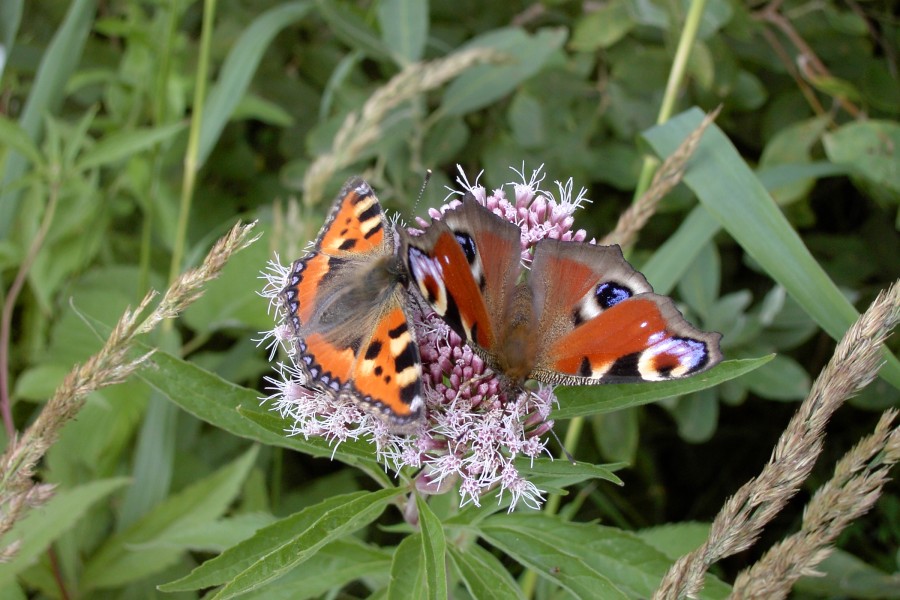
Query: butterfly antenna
[424,185]
[566,452]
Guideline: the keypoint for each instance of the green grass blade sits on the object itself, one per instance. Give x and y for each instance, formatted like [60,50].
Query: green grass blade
[45,524]
[134,553]
[47,94]
[238,70]
[10,16]
[736,198]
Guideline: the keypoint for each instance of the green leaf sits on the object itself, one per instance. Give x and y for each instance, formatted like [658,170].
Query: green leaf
[728,189]
[278,548]
[697,414]
[225,302]
[237,410]
[344,23]
[434,551]
[239,68]
[257,108]
[617,434]
[604,27]
[558,551]
[791,146]
[485,84]
[404,28]
[10,17]
[843,575]
[44,525]
[332,567]
[699,287]
[121,145]
[781,379]
[122,559]
[676,539]
[15,138]
[588,560]
[46,95]
[584,400]
[555,475]
[483,575]
[408,570]
[870,148]
[670,261]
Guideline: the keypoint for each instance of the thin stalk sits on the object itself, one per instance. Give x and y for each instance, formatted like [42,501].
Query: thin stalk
[193,148]
[9,306]
[673,85]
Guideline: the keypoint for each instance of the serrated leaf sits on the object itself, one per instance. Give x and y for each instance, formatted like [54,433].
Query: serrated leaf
[121,559]
[43,525]
[483,575]
[585,400]
[278,548]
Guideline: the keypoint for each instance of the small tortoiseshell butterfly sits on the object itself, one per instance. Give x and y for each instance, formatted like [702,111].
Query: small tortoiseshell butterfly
[582,316]
[345,302]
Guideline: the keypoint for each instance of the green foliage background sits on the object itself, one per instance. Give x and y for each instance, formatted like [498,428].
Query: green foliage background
[96,102]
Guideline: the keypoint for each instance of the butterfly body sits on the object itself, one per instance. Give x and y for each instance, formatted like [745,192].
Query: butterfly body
[582,315]
[345,301]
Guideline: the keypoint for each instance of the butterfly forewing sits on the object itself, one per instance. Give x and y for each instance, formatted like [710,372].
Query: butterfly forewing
[346,306]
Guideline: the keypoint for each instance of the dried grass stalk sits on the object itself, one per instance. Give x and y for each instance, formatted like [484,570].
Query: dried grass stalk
[854,364]
[361,129]
[111,365]
[667,176]
[850,493]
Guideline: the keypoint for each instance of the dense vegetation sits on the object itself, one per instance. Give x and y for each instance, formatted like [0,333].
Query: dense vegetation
[133,135]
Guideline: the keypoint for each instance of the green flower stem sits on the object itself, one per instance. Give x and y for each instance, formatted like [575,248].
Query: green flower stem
[190,159]
[673,85]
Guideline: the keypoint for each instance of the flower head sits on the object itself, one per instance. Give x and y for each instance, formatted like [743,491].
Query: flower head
[478,425]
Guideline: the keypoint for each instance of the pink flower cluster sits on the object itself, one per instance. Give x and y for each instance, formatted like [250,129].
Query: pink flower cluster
[477,425]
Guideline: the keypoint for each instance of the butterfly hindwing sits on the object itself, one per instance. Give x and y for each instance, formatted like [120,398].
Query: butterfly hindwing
[599,321]
[583,316]
[346,306]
